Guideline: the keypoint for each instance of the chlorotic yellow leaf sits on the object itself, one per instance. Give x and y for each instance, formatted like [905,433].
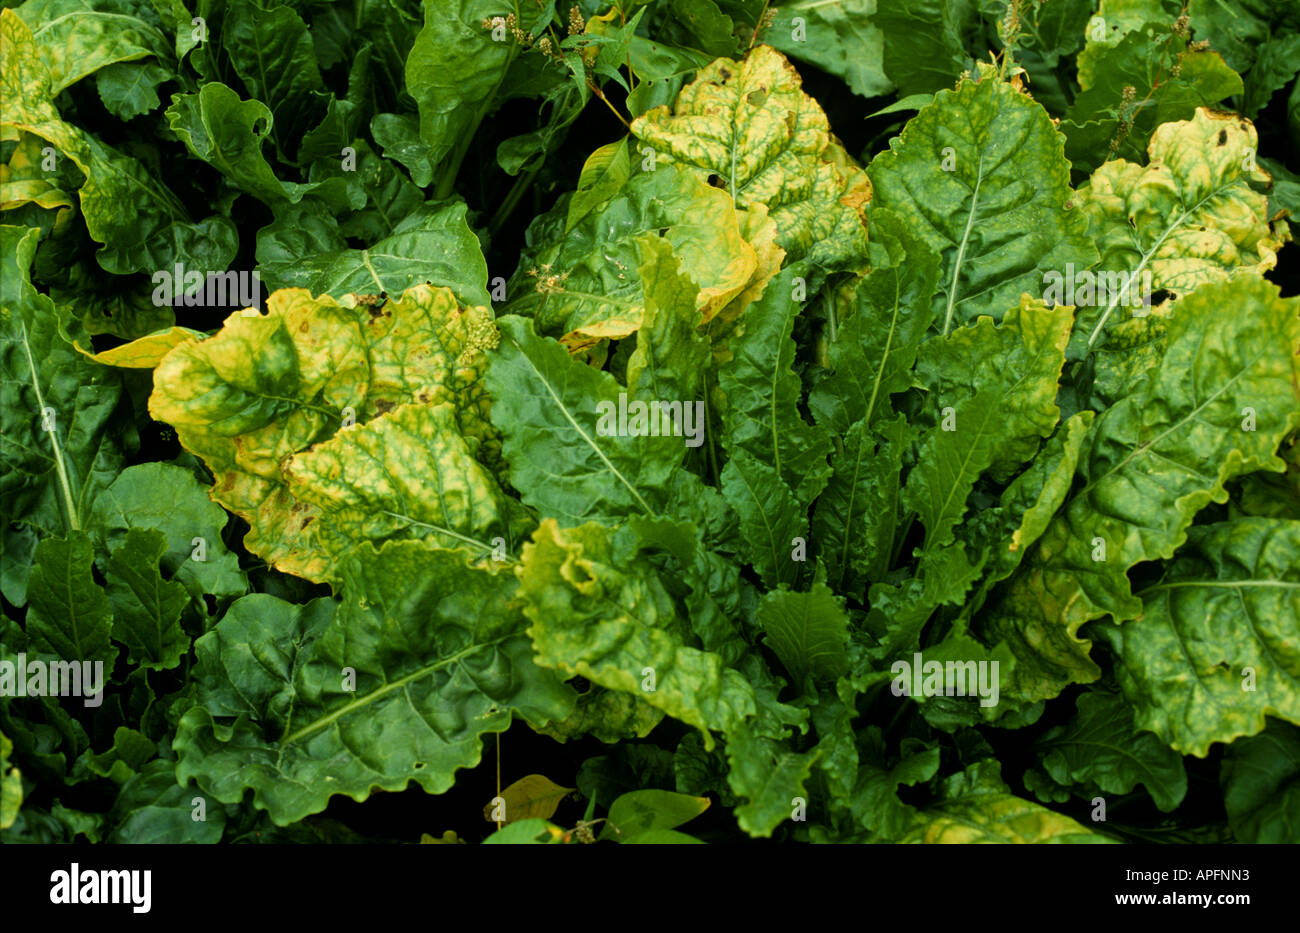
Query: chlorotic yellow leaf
[24,181]
[145,352]
[11,785]
[407,471]
[749,127]
[1189,216]
[759,231]
[531,797]
[609,715]
[580,284]
[998,819]
[447,838]
[325,425]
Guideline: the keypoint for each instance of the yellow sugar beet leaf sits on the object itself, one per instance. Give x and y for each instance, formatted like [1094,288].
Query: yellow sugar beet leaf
[579,281]
[325,425]
[748,127]
[406,473]
[145,352]
[1187,217]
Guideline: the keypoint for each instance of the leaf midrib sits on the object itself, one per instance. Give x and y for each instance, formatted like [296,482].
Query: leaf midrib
[1146,257]
[373,697]
[559,403]
[961,248]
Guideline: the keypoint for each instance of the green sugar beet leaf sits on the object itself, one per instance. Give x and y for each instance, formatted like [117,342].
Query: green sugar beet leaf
[68,613]
[992,396]
[771,520]
[1260,790]
[838,755]
[978,697]
[769,778]
[128,753]
[1213,651]
[875,347]
[46,737]
[423,657]
[1217,405]
[227,132]
[1048,34]
[1240,31]
[305,248]
[556,415]
[698,772]
[628,766]
[398,136]
[273,53]
[681,551]
[1101,749]
[1114,21]
[857,516]
[763,392]
[130,89]
[146,608]
[455,71]
[62,440]
[152,808]
[925,41]
[705,25]
[874,801]
[959,176]
[1169,79]
[170,498]
[807,631]
[604,174]
[842,38]
[379,195]
[1277,63]
[599,612]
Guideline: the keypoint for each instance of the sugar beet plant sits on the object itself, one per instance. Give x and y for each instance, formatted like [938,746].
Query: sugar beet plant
[380,378]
